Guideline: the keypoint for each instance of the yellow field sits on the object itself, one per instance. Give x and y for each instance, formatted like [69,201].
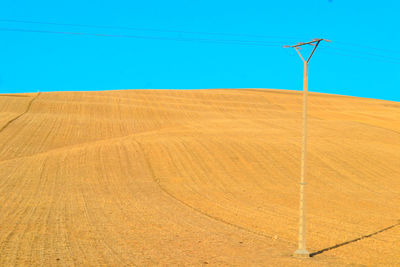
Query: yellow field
[196,177]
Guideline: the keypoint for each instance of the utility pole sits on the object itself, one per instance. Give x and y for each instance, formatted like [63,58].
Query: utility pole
[302,249]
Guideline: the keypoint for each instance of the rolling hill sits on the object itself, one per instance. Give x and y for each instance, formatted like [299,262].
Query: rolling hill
[196,177]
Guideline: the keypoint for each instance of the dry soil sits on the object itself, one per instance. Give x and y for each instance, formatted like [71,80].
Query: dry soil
[196,177]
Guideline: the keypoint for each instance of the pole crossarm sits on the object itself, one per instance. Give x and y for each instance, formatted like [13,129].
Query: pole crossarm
[310,43]
[315,42]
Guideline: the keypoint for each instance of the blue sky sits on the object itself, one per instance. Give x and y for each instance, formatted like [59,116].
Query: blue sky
[363,60]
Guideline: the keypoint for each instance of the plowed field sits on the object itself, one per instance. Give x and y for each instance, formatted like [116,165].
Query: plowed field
[196,177]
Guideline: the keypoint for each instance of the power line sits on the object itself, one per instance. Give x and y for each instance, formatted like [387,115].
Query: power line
[201,33]
[187,32]
[368,47]
[187,39]
[366,53]
[393,61]
[204,40]
[145,29]
[220,41]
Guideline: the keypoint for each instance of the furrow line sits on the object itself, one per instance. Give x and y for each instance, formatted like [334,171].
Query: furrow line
[20,115]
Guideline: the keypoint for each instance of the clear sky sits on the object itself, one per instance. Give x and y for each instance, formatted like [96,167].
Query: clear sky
[363,60]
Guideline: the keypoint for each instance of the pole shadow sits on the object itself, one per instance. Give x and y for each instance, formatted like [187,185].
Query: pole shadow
[354,240]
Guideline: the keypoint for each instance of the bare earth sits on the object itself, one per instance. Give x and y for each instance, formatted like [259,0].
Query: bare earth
[196,177]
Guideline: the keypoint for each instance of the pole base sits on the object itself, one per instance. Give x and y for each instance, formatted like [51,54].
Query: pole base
[301,253]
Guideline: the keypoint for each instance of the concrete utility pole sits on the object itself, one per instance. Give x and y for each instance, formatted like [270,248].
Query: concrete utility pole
[302,250]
